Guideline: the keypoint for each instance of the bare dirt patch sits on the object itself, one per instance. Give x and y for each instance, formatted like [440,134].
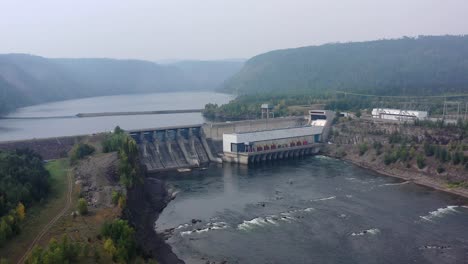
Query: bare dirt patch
[97,178]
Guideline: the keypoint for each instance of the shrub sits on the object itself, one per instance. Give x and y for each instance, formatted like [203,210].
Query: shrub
[82,206]
[80,151]
[115,197]
[118,130]
[461,184]
[395,137]
[429,149]
[420,161]
[119,240]
[21,211]
[363,149]
[440,169]
[412,153]
[114,141]
[457,157]
[444,155]
[122,202]
[56,252]
[128,163]
[358,113]
[9,226]
[118,198]
[403,153]
[378,147]
[128,156]
[388,158]
[109,247]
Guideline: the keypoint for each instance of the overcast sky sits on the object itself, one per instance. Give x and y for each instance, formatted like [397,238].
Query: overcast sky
[213,29]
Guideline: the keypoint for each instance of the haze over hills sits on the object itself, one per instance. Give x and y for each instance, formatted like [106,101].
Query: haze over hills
[27,79]
[409,66]
[208,74]
[425,65]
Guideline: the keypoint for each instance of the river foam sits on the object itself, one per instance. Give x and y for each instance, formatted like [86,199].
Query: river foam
[270,220]
[324,199]
[440,212]
[394,184]
[372,231]
[207,227]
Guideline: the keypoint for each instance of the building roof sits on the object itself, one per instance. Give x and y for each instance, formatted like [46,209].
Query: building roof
[420,114]
[274,134]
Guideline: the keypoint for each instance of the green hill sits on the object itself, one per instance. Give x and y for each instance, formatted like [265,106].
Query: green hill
[407,66]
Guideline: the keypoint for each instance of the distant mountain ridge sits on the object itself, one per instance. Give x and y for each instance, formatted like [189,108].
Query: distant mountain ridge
[28,79]
[407,66]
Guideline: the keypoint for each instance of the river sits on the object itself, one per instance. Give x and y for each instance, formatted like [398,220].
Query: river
[15,129]
[313,210]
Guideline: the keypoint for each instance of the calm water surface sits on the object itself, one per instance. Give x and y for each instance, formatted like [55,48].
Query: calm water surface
[315,210]
[13,129]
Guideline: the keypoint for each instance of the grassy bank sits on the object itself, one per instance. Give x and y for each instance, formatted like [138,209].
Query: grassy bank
[41,213]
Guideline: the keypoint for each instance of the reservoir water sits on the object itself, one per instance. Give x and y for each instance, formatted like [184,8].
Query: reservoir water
[15,129]
[313,210]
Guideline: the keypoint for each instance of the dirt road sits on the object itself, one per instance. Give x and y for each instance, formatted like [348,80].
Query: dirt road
[53,220]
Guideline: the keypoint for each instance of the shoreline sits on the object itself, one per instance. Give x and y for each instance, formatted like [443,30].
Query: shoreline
[145,203]
[416,178]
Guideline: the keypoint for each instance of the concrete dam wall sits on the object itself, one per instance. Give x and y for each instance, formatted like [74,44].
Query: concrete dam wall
[48,148]
[171,148]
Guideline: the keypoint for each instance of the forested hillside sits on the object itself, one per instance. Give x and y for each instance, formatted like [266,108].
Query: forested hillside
[27,79]
[408,66]
[208,75]
[10,97]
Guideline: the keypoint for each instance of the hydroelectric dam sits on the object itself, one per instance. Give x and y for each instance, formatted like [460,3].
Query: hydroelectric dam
[245,142]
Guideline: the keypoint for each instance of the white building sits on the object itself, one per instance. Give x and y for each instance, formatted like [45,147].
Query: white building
[398,114]
[271,139]
[318,117]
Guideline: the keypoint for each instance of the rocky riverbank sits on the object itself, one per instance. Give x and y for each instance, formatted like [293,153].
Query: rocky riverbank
[432,155]
[408,174]
[144,204]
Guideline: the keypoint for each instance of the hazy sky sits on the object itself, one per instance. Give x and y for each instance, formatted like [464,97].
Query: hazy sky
[213,29]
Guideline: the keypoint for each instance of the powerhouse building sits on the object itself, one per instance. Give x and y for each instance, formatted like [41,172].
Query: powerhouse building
[271,139]
[280,143]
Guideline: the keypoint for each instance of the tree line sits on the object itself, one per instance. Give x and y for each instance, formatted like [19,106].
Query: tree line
[23,181]
[129,166]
